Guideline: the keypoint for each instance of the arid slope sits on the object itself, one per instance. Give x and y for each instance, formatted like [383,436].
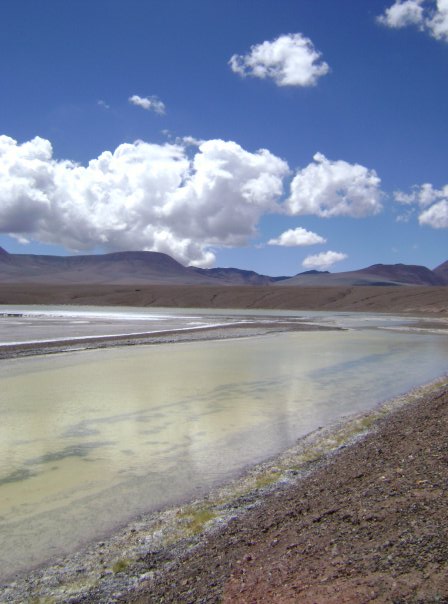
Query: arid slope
[410,299]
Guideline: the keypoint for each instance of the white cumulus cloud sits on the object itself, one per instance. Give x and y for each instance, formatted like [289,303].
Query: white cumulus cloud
[151,103]
[421,195]
[140,196]
[290,60]
[428,15]
[334,188]
[402,14]
[324,260]
[297,237]
[436,216]
[432,204]
[438,23]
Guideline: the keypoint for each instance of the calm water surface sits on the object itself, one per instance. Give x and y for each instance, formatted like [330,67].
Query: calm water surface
[90,439]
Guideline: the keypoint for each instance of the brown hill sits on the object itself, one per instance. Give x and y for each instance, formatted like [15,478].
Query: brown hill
[413,299]
[442,272]
[120,268]
[403,273]
[377,274]
[236,276]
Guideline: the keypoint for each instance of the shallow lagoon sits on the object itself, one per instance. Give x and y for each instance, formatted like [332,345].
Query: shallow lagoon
[90,439]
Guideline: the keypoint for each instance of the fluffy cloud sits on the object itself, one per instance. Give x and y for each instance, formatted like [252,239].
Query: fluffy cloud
[438,24]
[324,260]
[432,204]
[428,15]
[151,103]
[402,14]
[140,196]
[297,237]
[423,195]
[290,60]
[334,188]
[436,216]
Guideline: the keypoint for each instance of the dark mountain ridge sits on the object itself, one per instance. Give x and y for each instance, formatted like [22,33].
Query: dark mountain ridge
[138,267]
[117,268]
[404,273]
[442,271]
[238,276]
[377,274]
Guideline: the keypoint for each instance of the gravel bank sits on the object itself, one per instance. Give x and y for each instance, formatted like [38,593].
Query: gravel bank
[220,332]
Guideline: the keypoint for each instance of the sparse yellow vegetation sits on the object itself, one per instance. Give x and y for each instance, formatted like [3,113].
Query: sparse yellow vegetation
[120,565]
[196,519]
[306,458]
[264,480]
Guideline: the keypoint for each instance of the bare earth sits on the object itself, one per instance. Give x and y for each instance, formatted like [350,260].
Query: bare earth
[405,299]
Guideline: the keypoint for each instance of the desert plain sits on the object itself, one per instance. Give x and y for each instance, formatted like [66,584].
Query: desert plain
[417,300]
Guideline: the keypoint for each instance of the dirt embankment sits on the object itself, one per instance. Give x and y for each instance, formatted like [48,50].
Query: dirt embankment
[409,299]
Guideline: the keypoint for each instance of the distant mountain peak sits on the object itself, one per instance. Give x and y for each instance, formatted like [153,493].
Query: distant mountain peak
[3,252]
[404,273]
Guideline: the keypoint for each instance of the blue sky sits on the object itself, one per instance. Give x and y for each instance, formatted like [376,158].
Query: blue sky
[272,135]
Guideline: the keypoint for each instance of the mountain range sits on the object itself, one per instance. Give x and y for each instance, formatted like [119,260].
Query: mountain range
[145,268]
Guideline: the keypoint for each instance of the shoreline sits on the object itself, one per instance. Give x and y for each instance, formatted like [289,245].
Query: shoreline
[154,552]
[211,332]
[221,331]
